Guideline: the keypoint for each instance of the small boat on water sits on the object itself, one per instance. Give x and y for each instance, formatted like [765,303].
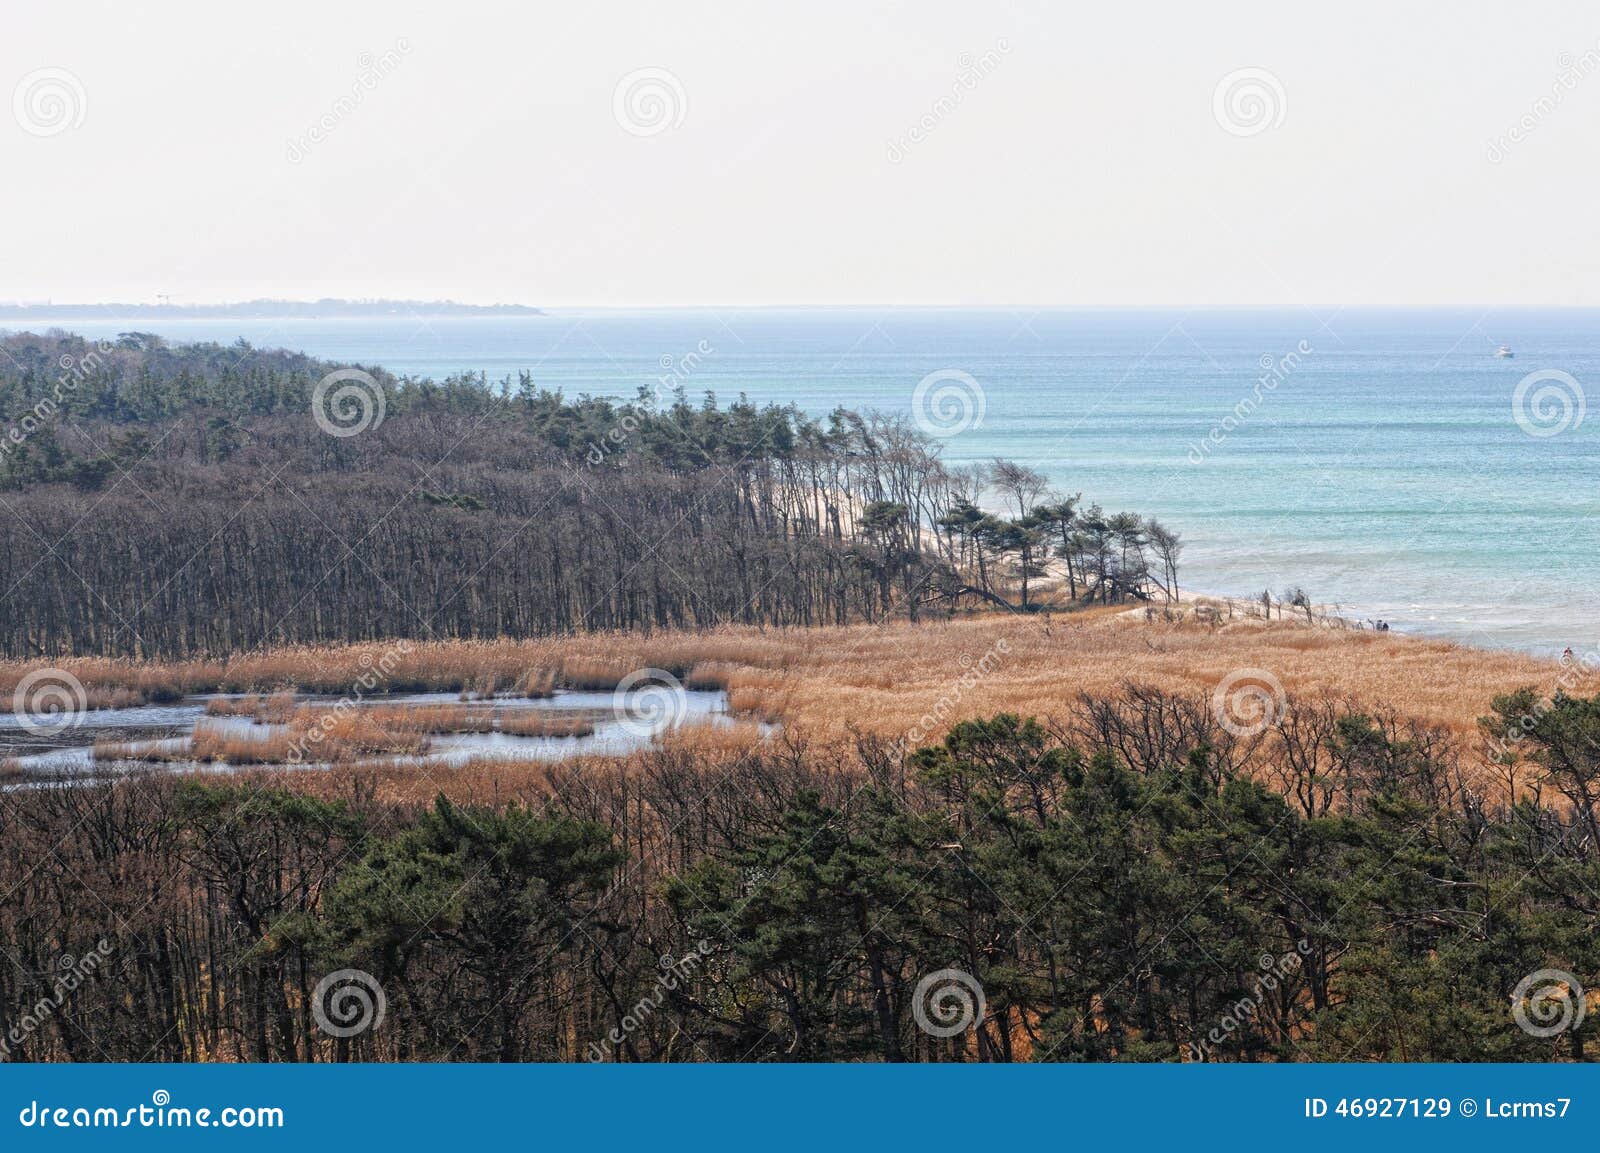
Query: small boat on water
[1504,351]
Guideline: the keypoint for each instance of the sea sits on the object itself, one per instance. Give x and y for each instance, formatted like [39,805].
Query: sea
[1436,470]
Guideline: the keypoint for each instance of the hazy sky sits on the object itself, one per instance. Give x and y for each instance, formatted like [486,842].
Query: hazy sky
[917,153]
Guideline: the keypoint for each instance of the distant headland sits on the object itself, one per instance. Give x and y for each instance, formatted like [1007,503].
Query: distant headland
[300,309]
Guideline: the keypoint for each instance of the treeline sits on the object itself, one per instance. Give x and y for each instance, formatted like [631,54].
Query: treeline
[170,500]
[1138,885]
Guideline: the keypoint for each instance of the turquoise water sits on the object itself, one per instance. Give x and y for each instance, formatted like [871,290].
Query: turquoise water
[1383,468]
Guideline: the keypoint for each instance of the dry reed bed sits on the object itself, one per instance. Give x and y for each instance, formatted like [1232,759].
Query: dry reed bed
[543,725]
[149,752]
[275,709]
[451,719]
[531,668]
[491,780]
[431,718]
[312,734]
[344,736]
[888,679]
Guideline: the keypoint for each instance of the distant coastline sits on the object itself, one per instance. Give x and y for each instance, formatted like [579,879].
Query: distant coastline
[1111,403]
[258,309]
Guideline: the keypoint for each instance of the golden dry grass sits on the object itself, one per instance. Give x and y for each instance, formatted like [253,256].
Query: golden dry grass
[496,780]
[108,750]
[275,709]
[594,672]
[207,744]
[709,676]
[765,694]
[347,734]
[537,683]
[113,684]
[431,718]
[474,668]
[238,748]
[245,706]
[720,742]
[823,685]
[888,679]
[313,734]
[530,724]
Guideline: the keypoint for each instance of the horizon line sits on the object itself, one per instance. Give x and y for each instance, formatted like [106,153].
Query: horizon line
[812,306]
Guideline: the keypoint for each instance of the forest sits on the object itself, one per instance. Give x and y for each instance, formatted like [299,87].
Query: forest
[164,501]
[1134,883]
